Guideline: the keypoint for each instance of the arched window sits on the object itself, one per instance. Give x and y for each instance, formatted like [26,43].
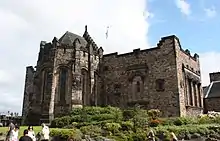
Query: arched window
[63,84]
[45,84]
[137,87]
[85,84]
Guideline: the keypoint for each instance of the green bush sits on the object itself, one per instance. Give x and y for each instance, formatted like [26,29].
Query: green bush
[61,122]
[128,114]
[91,130]
[154,123]
[205,120]
[127,125]
[184,121]
[154,113]
[202,129]
[89,116]
[167,121]
[65,134]
[112,127]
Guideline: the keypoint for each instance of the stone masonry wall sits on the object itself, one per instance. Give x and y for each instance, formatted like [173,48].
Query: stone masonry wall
[186,62]
[39,108]
[146,66]
[63,60]
[28,92]
[76,59]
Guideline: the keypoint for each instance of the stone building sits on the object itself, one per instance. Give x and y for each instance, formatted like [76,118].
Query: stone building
[212,93]
[72,71]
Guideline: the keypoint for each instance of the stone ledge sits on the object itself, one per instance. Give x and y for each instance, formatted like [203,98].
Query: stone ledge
[194,107]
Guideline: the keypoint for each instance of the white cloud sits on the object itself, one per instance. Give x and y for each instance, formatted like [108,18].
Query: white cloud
[210,12]
[183,6]
[209,63]
[25,23]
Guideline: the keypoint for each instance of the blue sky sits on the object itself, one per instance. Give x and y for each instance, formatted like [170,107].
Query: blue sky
[198,29]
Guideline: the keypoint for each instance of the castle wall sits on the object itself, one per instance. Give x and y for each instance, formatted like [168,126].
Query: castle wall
[72,72]
[143,68]
[189,69]
[28,92]
[39,108]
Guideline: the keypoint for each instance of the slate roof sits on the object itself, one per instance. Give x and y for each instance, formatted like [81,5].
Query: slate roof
[68,38]
[213,90]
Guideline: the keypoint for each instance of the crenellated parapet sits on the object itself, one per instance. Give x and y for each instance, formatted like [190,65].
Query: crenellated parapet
[93,48]
[174,37]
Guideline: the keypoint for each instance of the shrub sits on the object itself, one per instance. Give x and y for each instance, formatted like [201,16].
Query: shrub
[167,121]
[128,114]
[183,121]
[154,123]
[91,130]
[65,134]
[127,125]
[61,122]
[205,119]
[154,113]
[112,127]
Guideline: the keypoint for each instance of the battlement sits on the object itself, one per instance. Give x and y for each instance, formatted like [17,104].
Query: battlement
[134,52]
[30,68]
[159,45]
[214,76]
[89,39]
[187,51]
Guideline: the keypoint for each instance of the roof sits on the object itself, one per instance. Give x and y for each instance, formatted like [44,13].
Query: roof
[213,90]
[68,38]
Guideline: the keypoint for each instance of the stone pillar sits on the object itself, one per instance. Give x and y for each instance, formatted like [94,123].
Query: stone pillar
[53,94]
[92,90]
[76,99]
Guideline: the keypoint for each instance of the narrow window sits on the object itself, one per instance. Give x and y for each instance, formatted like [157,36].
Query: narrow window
[138,87]
[45,85]
[199,94]
[195,95]
[190,92]
[63,80]
[160,85]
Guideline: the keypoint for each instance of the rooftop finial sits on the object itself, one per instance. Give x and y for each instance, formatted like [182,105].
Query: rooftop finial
[86,28]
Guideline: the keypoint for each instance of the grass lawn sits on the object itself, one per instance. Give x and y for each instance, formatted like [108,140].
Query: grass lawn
[22,128]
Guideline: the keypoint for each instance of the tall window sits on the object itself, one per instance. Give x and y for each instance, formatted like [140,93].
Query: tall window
[190,92]
[63,84]
[85,89]
[195,95]
[199,95]
[44,85]
[96,88]
[138,86]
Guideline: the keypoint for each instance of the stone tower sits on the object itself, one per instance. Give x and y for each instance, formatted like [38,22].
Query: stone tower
[66,76]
